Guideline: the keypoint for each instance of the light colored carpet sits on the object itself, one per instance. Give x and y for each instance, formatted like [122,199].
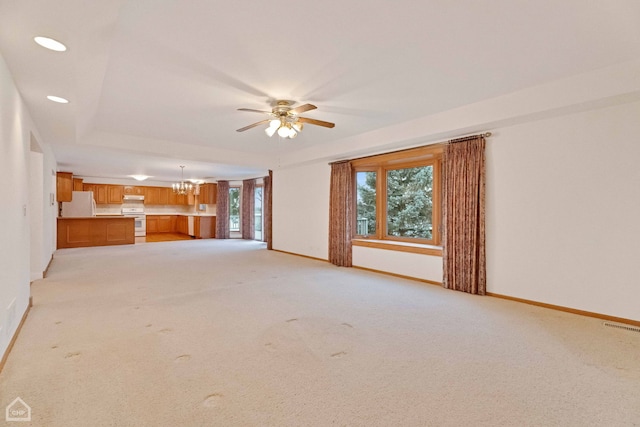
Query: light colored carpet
[226,333]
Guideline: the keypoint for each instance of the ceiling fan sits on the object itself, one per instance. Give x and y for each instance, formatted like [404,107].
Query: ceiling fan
[285,119]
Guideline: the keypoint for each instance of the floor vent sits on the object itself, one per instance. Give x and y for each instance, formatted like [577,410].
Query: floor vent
[619,326]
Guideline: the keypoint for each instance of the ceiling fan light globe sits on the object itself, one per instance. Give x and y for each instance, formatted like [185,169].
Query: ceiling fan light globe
[270,131]
[275,123]
[297,126]
[283,132]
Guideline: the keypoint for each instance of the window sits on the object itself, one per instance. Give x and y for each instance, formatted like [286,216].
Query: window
[234,209]
[409,202]
[366,203]
[398,196]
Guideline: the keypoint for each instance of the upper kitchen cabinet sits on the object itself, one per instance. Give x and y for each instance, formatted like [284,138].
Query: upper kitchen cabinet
[100,194]
[64,186]
[163,195]
[114,194]
[130,189]
[208,194]
[185,199]
[77,184]
[151,195]
[157,195]
[173,197]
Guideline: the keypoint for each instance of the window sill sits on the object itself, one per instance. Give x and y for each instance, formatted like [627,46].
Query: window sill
[416,248]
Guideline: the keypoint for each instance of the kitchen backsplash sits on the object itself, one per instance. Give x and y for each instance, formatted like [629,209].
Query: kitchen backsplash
[169,209]
[153,209]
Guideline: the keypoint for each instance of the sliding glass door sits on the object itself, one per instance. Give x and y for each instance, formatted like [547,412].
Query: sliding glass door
[258,213]
[234,209]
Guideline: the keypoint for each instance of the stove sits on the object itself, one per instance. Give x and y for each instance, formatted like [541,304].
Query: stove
[140,220]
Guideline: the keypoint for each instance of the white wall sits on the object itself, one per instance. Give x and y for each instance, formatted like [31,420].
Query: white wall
[563,202]
[301,210]
[563,211]
[16,128]
[425,267]
[36,214]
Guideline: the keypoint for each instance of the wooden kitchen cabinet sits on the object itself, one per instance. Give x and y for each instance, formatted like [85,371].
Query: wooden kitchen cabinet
[173,197]
[151,195]
[152,224]
[130,189]
[64,186]
[208,194]
[99,192]
[157,195]
[77,184]
[166,223]
[95,231]
[204,227]
[186,199]
[114,194]
[161,223]
[163,195]
[182,225]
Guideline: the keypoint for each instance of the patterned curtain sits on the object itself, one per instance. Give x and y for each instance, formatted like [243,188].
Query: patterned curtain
[340,214]
[248,209]
[222,210]
[268,202]
[463,216]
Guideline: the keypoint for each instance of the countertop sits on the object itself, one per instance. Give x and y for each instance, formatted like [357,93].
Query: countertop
[103,216]
[178,214]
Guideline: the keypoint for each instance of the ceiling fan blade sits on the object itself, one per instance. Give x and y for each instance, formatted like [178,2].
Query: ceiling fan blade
[316,122]
[302,109]
[252,125]
[254,111]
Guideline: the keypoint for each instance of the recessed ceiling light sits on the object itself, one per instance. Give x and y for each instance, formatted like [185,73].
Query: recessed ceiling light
[139,177]
[57,99]
[50,43]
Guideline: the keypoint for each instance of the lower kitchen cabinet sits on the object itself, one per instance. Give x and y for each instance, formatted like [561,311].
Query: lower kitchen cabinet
[166,223]
[204,226]
[161,223]
[182,224]
[152,224]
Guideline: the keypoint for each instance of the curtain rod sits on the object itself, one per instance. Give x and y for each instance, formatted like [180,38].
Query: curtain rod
[466,138]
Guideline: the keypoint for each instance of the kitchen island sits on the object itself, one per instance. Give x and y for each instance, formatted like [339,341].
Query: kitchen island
[104,230]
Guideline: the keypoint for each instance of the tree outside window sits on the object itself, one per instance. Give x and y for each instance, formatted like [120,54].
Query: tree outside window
[398,196]
[410,202]
[366,203]
[234,209]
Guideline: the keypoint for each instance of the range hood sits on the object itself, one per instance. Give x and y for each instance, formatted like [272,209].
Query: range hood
[130,197]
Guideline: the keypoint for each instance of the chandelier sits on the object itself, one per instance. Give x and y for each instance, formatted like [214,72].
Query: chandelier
[182,187]
[285,126]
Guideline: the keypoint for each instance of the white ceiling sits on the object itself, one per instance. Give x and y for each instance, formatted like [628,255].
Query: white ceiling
[157,84]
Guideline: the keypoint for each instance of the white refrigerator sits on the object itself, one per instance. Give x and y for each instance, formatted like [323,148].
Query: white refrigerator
[81,205]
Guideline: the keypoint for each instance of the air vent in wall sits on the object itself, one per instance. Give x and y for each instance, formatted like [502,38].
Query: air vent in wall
[621,326]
